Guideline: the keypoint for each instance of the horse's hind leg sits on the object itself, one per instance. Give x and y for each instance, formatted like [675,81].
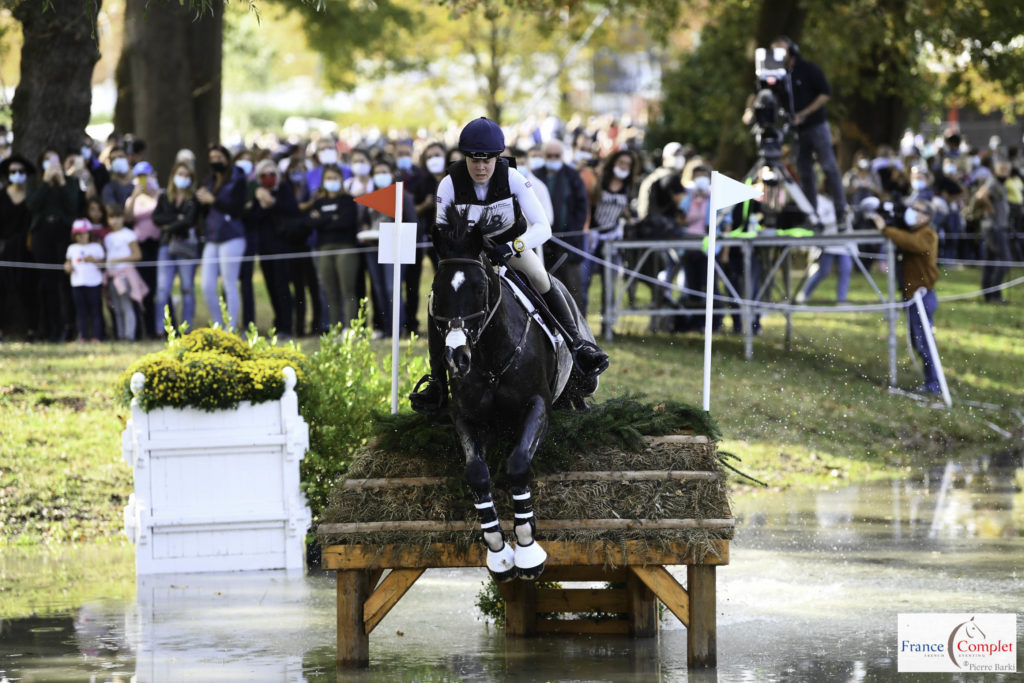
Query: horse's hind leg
[529,556]
[500,557]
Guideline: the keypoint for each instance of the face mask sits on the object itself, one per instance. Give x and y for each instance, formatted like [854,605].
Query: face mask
[679,163]
[381,179]
[332,186]
[620,173]
[919,184]
[268,181]
[910,217]
[975,162]
[583,157]
[536,163]
[949,169]
[779,53]
[87,153]
[119,166]
[404,163]
[361,168]
[327,157]
[218,166]
[296,178]
[182,181]
[553,166]
[435,164]
[47,164]
[18,178]
[863,164]
[702,183]
[245,165]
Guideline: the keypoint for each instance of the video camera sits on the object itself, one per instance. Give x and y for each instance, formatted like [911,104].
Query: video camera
[890,211]
[772,102]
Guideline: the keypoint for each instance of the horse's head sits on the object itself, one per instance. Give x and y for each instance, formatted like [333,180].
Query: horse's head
[463,289]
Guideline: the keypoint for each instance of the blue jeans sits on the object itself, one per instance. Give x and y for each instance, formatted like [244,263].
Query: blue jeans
[816,141]
[845,263]
[169,265]
[920,342]
[88,304]
[221,259]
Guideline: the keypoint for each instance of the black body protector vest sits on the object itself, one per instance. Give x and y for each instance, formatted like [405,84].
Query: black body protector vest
[499,200]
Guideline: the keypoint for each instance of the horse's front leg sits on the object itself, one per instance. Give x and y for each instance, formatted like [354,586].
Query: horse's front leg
[500,557]
[529,556]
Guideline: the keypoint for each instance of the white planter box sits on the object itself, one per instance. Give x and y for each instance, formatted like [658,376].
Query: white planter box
[217,491]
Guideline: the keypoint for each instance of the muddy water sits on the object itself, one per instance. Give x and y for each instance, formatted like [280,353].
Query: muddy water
[812,594]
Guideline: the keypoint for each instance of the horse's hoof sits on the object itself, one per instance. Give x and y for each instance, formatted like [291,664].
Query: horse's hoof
[530,561]
[502,564]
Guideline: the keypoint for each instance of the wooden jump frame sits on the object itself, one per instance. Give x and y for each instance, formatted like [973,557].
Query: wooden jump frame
[364,598]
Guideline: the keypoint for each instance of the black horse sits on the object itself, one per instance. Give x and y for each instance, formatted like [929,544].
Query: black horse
[505,373]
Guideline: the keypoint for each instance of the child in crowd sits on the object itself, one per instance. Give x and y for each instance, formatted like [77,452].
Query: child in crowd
[97,215]
[81,263]
[126,285]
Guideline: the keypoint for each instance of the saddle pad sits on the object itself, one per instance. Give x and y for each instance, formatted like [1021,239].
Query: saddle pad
[563,356]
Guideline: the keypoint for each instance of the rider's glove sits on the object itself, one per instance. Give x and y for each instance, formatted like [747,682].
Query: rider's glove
[499,253]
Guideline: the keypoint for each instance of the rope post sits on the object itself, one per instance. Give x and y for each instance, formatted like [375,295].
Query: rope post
[396,298]
[933,350]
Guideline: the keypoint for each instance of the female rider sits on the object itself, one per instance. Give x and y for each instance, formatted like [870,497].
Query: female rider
[484,182]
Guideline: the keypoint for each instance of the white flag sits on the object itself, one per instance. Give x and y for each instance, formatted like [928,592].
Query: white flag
[725,192]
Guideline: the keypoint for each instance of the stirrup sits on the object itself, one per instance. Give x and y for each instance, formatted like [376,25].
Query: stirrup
[598,358]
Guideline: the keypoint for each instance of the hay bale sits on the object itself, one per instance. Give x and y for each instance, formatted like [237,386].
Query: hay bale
[445,498]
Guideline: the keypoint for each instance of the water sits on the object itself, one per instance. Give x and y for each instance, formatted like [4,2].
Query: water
[812,594]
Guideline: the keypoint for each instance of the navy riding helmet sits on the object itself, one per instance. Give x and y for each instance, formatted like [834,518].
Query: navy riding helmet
[481,138]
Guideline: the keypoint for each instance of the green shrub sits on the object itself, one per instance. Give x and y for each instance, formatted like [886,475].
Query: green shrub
[345,386]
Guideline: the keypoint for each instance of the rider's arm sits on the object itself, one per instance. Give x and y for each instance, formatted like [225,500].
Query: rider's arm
[445,198]
[539,230]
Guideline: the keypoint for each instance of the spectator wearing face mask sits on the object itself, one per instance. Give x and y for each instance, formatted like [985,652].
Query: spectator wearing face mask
[572,208]
[382,274]
[273,207]
[245,162]
[335,220]
[920,184]
[326,156]
[653,197]
[119,188]
[406,170]
[995,225]
[54,204]
[15,221]
[222,199]
[138,212]
[693,217]
[861,182]
[177,214]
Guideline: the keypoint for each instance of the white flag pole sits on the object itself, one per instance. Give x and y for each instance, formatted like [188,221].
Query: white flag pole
[709,302]
[396,297]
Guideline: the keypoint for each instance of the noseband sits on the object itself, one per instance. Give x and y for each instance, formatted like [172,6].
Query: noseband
[487,313]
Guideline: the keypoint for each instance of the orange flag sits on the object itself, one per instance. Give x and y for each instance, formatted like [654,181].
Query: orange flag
[381,200]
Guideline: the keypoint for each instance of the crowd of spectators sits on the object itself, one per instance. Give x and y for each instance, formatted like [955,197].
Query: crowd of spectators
[96,237]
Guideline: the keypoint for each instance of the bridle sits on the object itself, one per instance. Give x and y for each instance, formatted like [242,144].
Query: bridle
[487,313]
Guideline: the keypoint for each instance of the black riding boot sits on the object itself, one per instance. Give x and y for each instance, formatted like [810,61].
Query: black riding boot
[434,396]
[590,359]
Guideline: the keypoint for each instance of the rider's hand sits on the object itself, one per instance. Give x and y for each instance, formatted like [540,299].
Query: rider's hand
[499,253]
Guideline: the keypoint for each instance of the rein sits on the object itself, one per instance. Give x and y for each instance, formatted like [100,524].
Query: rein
[456,323]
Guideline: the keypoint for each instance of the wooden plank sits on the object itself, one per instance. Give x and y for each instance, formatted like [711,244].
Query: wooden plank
[643,608]
[520,608]
[395,482]
[597,475]
[426,525]
[353,643]
[611,600]
[677,438]
[702,631]
[560,553]
[667,589]
[610,627]
[585,573]
[387,595]
[375,575]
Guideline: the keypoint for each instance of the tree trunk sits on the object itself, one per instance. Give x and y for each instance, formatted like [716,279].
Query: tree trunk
[174,85]
[53,99]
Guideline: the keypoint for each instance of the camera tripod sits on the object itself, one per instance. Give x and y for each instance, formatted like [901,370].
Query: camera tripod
[769,156]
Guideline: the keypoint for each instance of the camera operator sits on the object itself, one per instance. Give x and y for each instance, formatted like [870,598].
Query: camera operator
[810,91]
[919,245]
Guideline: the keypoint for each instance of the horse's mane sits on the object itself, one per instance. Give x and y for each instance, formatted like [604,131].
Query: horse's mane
[461,232]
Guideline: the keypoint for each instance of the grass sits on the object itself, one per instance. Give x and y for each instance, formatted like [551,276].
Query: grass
[814,413]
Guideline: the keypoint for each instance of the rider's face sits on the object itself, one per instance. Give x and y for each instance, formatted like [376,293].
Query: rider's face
[481,170]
